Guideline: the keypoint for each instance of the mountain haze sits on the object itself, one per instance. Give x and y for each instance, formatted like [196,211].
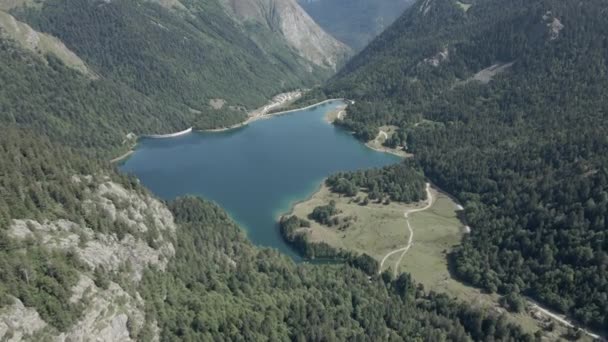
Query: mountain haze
[355,22]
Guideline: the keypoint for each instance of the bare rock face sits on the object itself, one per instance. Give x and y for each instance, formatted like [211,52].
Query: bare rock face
[300,31]
[111,313]
[108,251]
[425,7]
[18,322]
[554,25]
[438,58]
[40,43]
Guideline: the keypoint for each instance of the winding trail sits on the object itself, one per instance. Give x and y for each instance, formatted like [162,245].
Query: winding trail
[119,158]
[533,304]
[404,250]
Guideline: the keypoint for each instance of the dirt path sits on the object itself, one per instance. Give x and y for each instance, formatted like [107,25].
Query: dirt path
[404,250]
[117,159]
[260,116]
[376,145]
[341,114]
[407,248]
[562,319]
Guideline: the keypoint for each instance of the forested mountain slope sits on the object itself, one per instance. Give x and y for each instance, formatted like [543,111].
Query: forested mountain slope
[502,104]
[141,67]
[297,28]
[189,53]
[86,252]
[355,22]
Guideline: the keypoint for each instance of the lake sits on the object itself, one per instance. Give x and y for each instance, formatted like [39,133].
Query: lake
[256,172]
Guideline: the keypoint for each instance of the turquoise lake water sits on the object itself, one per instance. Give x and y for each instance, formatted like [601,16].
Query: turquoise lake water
[256,172]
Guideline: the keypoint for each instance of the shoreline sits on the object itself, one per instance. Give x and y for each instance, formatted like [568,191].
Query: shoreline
[293,205]
[378,146]
[265,116]
[124,156]
[165,136]
[216,130]
[402,155]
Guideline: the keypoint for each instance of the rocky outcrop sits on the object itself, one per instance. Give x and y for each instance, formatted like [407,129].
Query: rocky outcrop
[425,7]
[438,58]
[112,313]
[40,43]
[553,24]
[18,322]
[299,30]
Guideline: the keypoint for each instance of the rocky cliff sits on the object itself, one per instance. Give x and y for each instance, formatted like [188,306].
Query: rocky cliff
[299,30]
[111,267]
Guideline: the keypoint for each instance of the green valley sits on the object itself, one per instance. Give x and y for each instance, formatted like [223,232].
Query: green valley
[483,215]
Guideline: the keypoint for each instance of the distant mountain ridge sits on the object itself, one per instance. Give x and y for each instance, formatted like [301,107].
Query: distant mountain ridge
[300,31]
[355,22]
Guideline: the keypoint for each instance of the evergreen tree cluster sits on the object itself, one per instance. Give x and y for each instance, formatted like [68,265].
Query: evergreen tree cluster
[400,182]
[221,287]
[525,152]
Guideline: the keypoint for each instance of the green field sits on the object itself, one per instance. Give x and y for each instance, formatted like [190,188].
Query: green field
[379,229]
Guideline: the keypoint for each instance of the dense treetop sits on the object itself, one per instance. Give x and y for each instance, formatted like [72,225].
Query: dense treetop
[55,125]
[525,152]
[155,70]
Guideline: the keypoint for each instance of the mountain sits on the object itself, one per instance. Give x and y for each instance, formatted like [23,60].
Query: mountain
[88,253]
[149,67]
[355,22]
[500,102]
[299,30]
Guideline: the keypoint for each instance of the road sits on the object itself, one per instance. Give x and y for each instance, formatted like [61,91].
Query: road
[405,249]
[535,306]
[561,319]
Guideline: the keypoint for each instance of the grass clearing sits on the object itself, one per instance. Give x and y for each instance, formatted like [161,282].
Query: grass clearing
[437,231]
[379,229]
[385,132]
